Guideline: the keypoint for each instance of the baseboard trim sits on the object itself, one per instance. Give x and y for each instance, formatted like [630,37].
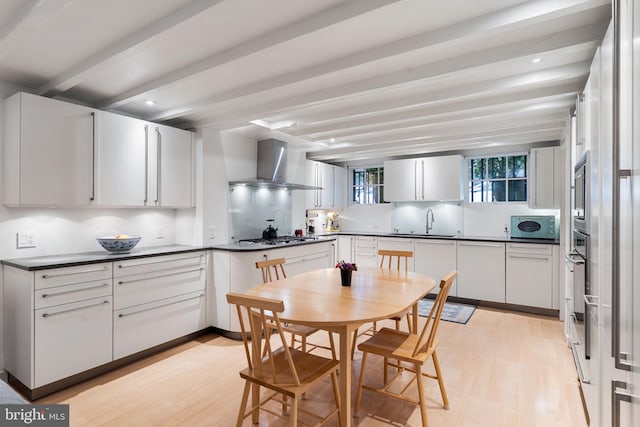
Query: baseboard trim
[503,306]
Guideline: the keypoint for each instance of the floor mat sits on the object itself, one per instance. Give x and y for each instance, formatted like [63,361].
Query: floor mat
[452,312]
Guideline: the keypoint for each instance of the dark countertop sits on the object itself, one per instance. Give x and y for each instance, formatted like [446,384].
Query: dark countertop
[69,260]
[501,239]
[249,247]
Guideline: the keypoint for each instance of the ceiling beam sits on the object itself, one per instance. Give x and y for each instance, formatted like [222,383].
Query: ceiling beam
[584,37]
[280,35]
[556,103]
[21,20]
[123,48]
[529,13]
[437,106]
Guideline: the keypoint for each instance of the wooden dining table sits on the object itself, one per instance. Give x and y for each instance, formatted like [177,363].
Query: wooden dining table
[317,298]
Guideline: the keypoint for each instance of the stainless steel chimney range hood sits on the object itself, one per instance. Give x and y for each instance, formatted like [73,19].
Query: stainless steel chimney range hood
[272,168]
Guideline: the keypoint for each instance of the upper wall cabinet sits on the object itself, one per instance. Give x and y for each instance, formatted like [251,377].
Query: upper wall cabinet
[424,179]
[545,180]
[142,164]
[48,152]
[332,179]
[62,154]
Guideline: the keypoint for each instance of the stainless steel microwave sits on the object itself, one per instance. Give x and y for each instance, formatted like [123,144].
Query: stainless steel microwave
[581,195]
[534,227]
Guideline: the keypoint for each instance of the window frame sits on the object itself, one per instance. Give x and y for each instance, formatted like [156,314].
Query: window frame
[486,180]
[379,186]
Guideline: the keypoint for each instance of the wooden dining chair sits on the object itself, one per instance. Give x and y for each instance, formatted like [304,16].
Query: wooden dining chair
[401,257]
[274,268]
[287,372]
[411,351]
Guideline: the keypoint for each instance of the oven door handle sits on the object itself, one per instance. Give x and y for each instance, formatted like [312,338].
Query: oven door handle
[574,258]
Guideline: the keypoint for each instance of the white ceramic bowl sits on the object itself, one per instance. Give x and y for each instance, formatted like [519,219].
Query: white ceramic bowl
[119,245]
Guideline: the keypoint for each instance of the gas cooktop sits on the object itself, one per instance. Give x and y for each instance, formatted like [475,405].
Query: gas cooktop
[281,240]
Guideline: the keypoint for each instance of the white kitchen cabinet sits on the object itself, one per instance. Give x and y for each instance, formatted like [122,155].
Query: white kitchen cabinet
[481,270]
[346,248]
[156,300]
[398,244]
[303,258]
[57,322]
[48,152]
[122,150]
[436,258]
[545,181]
[332,180]
[143,164]
[366,251]
[424,179]
[529,274]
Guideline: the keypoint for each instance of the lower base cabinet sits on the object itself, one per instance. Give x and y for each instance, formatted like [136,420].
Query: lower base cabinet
[436,258]
[147,325]
[529,277]
[72,338]
[481,271]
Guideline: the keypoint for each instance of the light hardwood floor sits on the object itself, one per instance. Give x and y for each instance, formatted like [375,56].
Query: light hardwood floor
[500,369]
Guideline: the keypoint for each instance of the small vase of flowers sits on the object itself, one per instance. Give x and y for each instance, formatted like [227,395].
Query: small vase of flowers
[346,269]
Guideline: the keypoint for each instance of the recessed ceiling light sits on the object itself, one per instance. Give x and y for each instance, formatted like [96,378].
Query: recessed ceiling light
[536,60]
[150,102]
[332,140]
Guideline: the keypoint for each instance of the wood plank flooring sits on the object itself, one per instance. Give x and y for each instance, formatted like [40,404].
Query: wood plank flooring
[500,369]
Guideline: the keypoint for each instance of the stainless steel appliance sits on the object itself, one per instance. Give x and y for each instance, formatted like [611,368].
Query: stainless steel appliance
[578,262]
[276,241]
[582,189]
[534,227]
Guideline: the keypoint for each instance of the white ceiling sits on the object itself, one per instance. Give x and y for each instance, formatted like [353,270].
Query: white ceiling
[356,79]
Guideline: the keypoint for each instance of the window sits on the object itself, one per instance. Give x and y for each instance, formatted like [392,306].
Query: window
[367,185]
[498,179]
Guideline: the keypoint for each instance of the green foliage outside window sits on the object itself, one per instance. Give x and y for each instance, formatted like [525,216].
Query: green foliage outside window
[498,179]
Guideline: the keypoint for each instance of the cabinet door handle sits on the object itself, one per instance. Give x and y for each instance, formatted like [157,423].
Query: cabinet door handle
[75,290]
[415,180]
[146,164]
[589,300]
[537,258]
[121,315]
[158,164]
[618,396]
[574,352]
[434,242]
[142,279]
[75,309]
[71,273]
[155,262]
[422,183]
[483,245]
[93,156]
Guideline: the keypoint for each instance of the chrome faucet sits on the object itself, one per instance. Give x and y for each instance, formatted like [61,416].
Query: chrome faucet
[429,226]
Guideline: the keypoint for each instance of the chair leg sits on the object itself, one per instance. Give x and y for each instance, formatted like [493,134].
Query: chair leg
[336,394]
[363,366]
[304,343]
[293,413]
[421,395]
[443,392]
[397,324]
[385,376]
[353,346]
[243,403]
[409,323]
[332,345]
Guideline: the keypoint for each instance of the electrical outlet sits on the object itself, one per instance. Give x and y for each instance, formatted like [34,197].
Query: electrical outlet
[160,234]
[26,239]
[212,232]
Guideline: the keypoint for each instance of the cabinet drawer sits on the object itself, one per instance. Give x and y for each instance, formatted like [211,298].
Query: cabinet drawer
[138,328]
[531,248]
[72,338]
[70,275]
[143,288]
[50,297]
[158,264]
